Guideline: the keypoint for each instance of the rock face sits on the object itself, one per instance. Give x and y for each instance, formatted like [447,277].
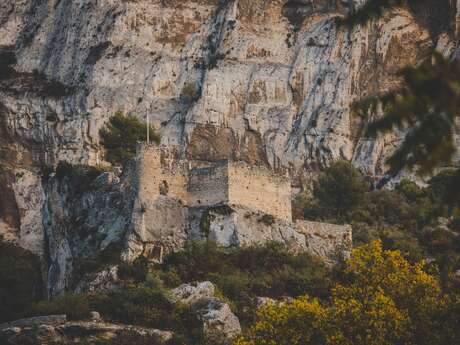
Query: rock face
[84,219]
[216,315]
[327,241]
[56,329]
[230,203]
[266,82]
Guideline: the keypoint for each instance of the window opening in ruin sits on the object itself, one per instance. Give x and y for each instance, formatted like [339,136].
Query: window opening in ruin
[164,188]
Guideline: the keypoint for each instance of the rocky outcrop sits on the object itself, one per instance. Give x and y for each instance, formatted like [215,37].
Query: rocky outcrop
[328,241]
[268,82]
[218,320]
[86,217]
[105,280]
[56,329]
[236,225]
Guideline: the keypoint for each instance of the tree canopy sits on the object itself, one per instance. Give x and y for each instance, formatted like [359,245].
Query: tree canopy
[121,135]
[382,299]
[426,107]
[370,10]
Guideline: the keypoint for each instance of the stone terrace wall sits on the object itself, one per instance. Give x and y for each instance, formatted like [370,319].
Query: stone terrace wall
[208,185]
[326,240]
[259,188]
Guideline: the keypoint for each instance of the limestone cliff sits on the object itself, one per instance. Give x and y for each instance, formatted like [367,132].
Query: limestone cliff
[262,81]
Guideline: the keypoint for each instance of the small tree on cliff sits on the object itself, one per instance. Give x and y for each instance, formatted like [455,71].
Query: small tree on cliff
[339,190]
[370,10]
[121,135]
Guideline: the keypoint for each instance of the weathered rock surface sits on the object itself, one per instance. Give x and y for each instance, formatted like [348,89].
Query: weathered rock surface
[106,280]
[193,293]
[56,329]
[242,226]
[216,315]
[327,241]
[261,81]
[84,222]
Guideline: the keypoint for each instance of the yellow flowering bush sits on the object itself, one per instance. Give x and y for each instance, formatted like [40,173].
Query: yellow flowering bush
[385,300]
[296,322]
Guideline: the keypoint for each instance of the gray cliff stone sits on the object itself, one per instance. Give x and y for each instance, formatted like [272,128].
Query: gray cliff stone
[216,315]
[244,227]
[271,82]
[55,329]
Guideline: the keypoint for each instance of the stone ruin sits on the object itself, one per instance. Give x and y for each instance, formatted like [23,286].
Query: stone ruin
[231,203]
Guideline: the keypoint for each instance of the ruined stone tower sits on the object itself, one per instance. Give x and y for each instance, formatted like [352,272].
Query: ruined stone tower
[229,202]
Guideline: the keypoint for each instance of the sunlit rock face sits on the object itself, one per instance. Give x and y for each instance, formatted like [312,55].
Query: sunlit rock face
[266,82]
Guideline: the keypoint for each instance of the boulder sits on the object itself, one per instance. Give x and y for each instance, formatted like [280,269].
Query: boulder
[216,315]
[55,329]
[190,294]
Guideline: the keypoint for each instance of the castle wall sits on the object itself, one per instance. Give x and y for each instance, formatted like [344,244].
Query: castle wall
[160,212]
[208,186]
[326,240]
[161,174]
[258,188]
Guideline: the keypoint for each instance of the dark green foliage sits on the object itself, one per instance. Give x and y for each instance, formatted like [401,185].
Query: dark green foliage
[405,218]
[145,304]
[445,187]
[137,304]
[20,280]
[372,9]
[426,107]
[337,193]
[135,271]
[121,135]
[109,256]
[76,307]
[242,274]
[80,177]
[148,304]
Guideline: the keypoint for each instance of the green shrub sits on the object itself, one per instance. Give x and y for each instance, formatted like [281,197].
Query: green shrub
[121,135]
[243,274]
[135,271]
[76,307]
[190,92]
[130,337]
[20,280]
[148,305]
[403,218]
[338,192]
[80,177]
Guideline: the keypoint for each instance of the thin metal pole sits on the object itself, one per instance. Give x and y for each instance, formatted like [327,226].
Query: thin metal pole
[148,129]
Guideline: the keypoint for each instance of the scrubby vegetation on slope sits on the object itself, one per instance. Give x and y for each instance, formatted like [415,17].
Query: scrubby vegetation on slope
[421,222]
[240,274]
[382,299]
[20,280]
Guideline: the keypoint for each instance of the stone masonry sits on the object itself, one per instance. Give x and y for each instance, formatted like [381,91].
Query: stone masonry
[198,183]
[232,203]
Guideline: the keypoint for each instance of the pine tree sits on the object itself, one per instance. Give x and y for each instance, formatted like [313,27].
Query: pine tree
[426,107]
[372,9]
